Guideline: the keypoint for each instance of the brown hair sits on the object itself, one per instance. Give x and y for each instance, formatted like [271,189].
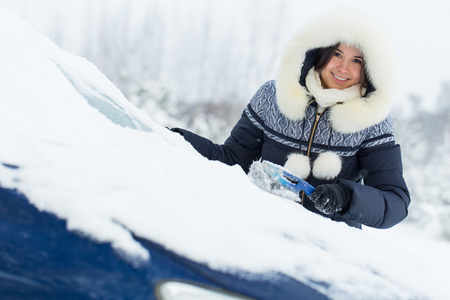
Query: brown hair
[323,57]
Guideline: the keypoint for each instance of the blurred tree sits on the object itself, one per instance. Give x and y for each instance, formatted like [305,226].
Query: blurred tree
[424,135]
[193,69]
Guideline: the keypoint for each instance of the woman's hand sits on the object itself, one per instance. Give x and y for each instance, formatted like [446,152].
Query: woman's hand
[331,198]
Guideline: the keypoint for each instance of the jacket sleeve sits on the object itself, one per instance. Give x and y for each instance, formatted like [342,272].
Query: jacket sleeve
[382,200]
[242,147]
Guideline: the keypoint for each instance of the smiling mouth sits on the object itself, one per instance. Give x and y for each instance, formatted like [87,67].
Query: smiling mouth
[340,78]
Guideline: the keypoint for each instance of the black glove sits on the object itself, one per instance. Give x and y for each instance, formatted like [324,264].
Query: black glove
[331,198]
[177,130]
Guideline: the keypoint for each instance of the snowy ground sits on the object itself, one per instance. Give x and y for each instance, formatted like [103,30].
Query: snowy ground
[107,180]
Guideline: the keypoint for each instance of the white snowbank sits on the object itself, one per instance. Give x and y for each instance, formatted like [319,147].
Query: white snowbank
[107,180]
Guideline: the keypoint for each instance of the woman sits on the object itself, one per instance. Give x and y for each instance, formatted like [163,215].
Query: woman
[326,119]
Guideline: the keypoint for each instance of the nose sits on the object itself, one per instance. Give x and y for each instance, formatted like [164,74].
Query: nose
[343,66]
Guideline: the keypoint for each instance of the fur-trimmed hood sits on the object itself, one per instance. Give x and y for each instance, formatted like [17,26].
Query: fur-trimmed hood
[351,28]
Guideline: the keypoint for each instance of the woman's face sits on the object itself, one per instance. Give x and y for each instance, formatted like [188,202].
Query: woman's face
[344,68]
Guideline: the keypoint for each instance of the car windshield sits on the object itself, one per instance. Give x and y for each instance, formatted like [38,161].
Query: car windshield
[102,102]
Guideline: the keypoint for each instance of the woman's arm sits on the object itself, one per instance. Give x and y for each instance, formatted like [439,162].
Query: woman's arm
[383,200]
[242,147]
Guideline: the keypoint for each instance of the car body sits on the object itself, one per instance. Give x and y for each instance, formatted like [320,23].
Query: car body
[40,258]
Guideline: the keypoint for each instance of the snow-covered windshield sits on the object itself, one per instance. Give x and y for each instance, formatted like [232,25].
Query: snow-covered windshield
[102,102]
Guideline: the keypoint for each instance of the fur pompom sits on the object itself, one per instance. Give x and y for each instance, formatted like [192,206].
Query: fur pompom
[298,164]
[327,166]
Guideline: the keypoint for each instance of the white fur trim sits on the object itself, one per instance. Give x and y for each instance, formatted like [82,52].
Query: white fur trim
[298,164]
[327,166]
[353,29]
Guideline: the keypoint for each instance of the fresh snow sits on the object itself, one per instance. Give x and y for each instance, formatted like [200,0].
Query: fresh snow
[107,181]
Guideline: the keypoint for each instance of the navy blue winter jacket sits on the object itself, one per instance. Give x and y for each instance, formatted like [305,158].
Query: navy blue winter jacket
[373,159]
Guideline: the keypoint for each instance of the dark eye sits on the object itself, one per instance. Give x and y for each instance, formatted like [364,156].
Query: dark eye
[337,54]
[358,61]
